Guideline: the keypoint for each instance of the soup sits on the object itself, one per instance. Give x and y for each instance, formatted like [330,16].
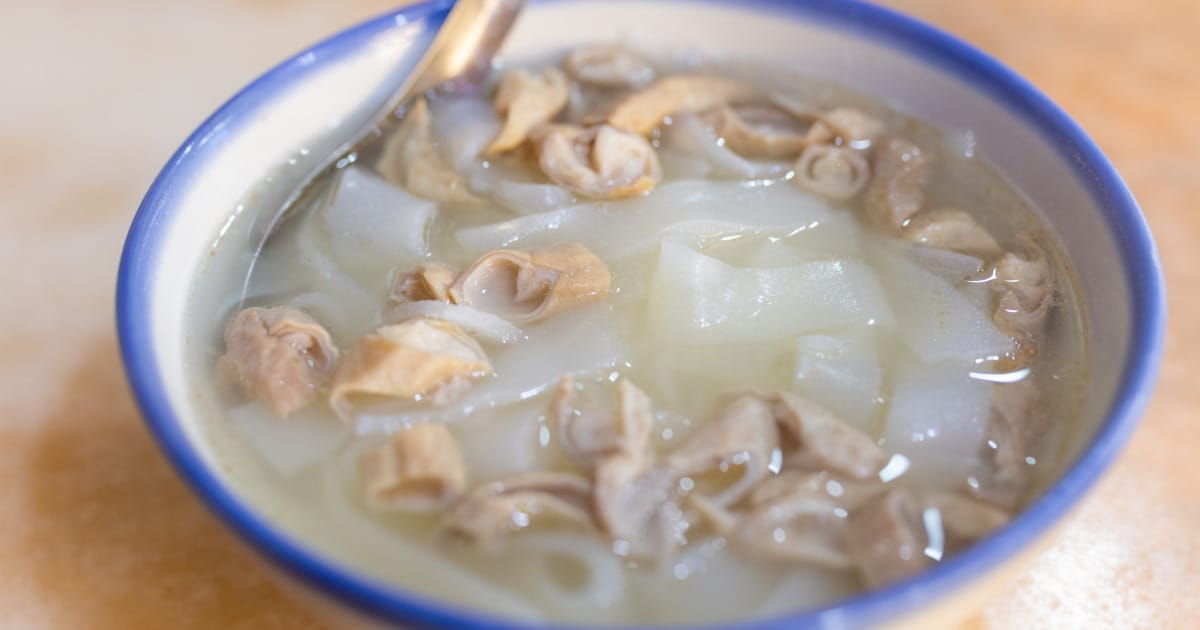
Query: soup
[626,338]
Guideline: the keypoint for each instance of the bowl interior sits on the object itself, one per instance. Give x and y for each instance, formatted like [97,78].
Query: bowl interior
[309,101]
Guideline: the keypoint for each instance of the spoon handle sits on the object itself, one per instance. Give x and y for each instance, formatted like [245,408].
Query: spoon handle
[460,55]
[465,45]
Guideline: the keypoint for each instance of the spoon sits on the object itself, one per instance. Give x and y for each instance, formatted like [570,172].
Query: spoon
[460,55]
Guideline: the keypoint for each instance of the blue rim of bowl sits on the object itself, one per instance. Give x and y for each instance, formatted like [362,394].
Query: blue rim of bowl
[904,34]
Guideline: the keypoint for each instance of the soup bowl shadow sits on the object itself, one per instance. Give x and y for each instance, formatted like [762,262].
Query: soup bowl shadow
[299,111]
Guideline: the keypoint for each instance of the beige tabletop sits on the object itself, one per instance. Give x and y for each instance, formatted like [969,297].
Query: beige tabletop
[97,532]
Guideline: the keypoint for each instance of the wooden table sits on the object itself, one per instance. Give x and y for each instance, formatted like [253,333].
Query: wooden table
[97,532]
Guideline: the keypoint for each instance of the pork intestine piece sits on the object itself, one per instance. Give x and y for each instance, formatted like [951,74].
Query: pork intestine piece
[758,131]
[853,127]
[526,100]
[279,355]
[903,531]
[411,159]
[635,502]
[419,469]
[588,434]
[822,441]
[429,281]
[523,370]
[897,190]
[643,111]
[608,65]
[795,517]
[534,284]
[831,171]
[699,299]
[744,435]
[806,469]
[1026,295]
[418,357]
[637,505]
[363,537]
[497,510]
[952,229]
[692,149]
[1013,428]
[601,162]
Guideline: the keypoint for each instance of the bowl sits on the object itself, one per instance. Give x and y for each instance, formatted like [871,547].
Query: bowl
[235,161]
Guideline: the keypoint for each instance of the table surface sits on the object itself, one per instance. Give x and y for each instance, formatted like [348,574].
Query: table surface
[97,532]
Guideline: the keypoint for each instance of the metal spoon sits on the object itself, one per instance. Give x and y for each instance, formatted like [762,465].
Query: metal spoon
[461,54]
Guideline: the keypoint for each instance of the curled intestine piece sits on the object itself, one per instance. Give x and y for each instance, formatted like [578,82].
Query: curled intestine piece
[897,191]
[743,439]
[801,521]
[904,530]
[418,357]
[411,160]
[824,442]
[952,229]
[643,111]
[757,131]
[530,285]
[427,282]
[527,100]
[831,171]
[1026,291]
[280,355]
[495,511]
[419,469]
[637,505]
[608,65]
[588,434]
[1014,427]
[603,162]
[854,128]
[635,501]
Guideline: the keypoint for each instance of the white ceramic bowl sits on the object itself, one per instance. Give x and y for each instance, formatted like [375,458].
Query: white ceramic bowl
[312,99]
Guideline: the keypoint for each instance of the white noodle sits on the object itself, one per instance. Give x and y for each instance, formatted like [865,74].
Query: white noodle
[940,322]
[596,589]
[507,440]
[373,225]
[622,228]
[936,418]
[706,583]
[696,298]
[289,444]
[462,127]
[842,373]
[339,302]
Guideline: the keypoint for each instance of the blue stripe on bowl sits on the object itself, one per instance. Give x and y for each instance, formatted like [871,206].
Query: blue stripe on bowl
[908,36]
